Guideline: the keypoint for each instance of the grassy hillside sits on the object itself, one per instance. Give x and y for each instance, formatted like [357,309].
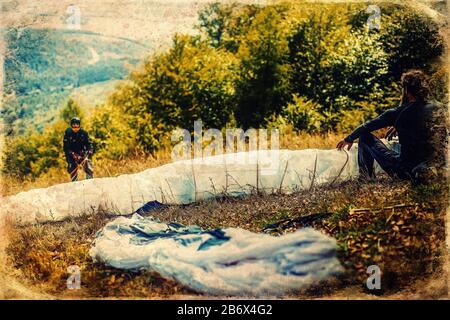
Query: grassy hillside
[43,67]
[392,225]
[316,68]
[315,71]
[42,108]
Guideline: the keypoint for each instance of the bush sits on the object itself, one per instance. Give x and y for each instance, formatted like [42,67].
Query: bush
[34,154]
[303,114]
[330,63]
[192,81]
[410,39]
[263,84]
[315,68]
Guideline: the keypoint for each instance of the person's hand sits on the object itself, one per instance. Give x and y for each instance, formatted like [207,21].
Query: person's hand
[341,145]
[391,134]
[75,157]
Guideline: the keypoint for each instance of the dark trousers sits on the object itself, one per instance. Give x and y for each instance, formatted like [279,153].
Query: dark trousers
[370,148]
[72,168]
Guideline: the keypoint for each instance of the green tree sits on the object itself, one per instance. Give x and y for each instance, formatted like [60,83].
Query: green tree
[263,85]
[191,81]
[411,39]
[214,20]
[110,130]
[304,115]
[34,153]
[70,110]
[225,25]
[339,68]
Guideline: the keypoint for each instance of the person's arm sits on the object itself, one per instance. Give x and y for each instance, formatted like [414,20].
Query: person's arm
[88,144]
[386,119]
[66,146]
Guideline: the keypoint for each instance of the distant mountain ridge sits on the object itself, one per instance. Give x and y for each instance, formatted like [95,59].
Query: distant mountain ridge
[43,66]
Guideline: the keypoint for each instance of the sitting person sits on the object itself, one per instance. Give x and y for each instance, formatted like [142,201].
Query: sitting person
[421,128]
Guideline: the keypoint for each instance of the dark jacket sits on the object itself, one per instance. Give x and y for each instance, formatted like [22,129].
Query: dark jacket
[77,142]
[421,129]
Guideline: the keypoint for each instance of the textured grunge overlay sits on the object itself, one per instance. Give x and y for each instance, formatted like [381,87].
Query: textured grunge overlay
[146,21]
[141,28]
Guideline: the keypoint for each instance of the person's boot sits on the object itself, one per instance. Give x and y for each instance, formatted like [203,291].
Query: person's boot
[364,178]
[423,174]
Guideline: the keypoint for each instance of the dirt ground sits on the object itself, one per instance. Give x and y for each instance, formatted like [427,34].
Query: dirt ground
[392,224]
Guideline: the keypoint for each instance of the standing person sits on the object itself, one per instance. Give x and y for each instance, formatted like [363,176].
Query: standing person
[78,150]
[421,128]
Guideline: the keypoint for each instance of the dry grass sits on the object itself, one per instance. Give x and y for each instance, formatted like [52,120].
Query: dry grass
[404,241]
[400,228]
[111,168]
[102,168]
[43,252]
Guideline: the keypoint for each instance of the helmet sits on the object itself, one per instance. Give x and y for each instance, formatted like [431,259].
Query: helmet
[75,121]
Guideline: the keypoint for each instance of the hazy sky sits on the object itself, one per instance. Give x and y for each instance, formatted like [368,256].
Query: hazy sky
[141,20]
[146,21]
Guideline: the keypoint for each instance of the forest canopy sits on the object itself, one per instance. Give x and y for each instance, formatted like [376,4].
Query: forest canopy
[314,67]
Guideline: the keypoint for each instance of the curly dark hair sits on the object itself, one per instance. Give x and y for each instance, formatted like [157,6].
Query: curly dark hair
[416,82]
